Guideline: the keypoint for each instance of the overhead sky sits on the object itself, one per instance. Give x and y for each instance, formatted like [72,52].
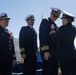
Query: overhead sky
[17,10]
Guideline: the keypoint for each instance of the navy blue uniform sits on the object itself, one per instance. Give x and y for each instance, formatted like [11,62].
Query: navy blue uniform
[7,52]
[49,66]
[28,46]
[66,51]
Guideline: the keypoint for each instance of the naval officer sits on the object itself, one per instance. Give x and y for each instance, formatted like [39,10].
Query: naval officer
[7,51]
[49,49]
[66,52]
[28,46]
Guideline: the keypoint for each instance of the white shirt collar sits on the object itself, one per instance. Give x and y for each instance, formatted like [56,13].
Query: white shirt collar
[30,26]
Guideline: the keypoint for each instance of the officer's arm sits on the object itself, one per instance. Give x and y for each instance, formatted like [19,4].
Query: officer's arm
[13,47]
[22,40]
[43,36]
[36,46]
[14,55]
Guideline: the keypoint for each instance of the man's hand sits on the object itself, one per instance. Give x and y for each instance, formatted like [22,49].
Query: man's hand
[47,55]
[23,56]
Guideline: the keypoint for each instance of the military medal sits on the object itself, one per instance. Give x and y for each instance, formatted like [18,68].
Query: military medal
[52,26]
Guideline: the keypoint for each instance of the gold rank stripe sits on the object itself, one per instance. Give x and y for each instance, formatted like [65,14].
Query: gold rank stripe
[53,31]
[22,50]
[14,55]
[44,48]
